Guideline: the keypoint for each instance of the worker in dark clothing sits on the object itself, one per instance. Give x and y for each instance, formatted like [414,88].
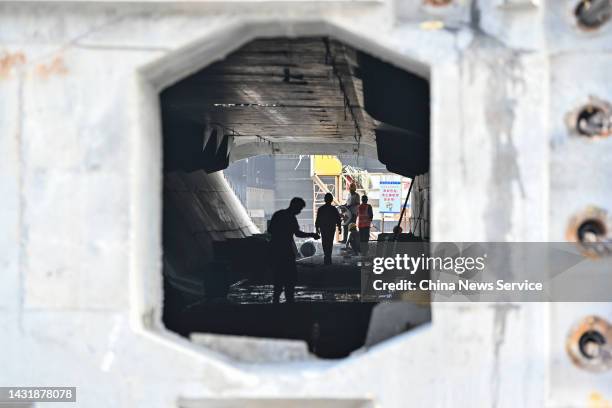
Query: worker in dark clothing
[283,226]
[365,215]
[328,219]
[352,203]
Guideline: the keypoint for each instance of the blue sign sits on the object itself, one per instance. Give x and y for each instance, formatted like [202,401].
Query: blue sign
[390,197]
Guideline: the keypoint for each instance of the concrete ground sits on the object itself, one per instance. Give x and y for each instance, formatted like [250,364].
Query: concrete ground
[338,282]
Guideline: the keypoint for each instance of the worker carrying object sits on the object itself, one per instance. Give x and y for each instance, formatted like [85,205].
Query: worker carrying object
[283,226]
[365,215]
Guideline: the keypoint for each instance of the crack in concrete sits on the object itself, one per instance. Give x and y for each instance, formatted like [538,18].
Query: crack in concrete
[504,74]
[475,17]
[500,318]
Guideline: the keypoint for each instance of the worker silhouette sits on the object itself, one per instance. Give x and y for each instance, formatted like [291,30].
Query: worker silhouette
[352,204]
[328,219]
[283,226]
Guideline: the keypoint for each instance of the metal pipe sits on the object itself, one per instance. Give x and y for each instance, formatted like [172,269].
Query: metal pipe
[399,223]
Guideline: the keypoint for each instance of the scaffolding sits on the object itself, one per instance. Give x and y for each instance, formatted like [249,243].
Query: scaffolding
[336,182]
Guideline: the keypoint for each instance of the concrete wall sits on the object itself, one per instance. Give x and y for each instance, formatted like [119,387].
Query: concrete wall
[199,208]
[80,266]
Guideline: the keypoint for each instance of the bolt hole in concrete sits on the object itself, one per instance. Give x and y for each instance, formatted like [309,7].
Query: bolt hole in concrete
[594,121]
[589,344]
[592,14]
[275,119]
[590,229]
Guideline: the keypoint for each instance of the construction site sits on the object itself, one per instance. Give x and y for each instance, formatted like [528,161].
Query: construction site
[269,98]
[262,190]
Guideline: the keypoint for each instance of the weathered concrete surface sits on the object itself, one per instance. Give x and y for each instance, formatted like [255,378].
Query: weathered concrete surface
[80,278]
[254,349]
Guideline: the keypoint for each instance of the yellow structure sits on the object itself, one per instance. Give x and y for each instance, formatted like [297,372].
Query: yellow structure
[326,165]
[325,174]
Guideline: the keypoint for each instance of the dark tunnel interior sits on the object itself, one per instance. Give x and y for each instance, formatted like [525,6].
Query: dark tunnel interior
[278,98]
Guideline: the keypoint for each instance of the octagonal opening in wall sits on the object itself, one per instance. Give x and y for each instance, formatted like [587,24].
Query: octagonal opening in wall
[276,119]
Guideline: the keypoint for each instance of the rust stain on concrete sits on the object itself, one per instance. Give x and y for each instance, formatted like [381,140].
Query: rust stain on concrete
[55,67]
[8,61]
